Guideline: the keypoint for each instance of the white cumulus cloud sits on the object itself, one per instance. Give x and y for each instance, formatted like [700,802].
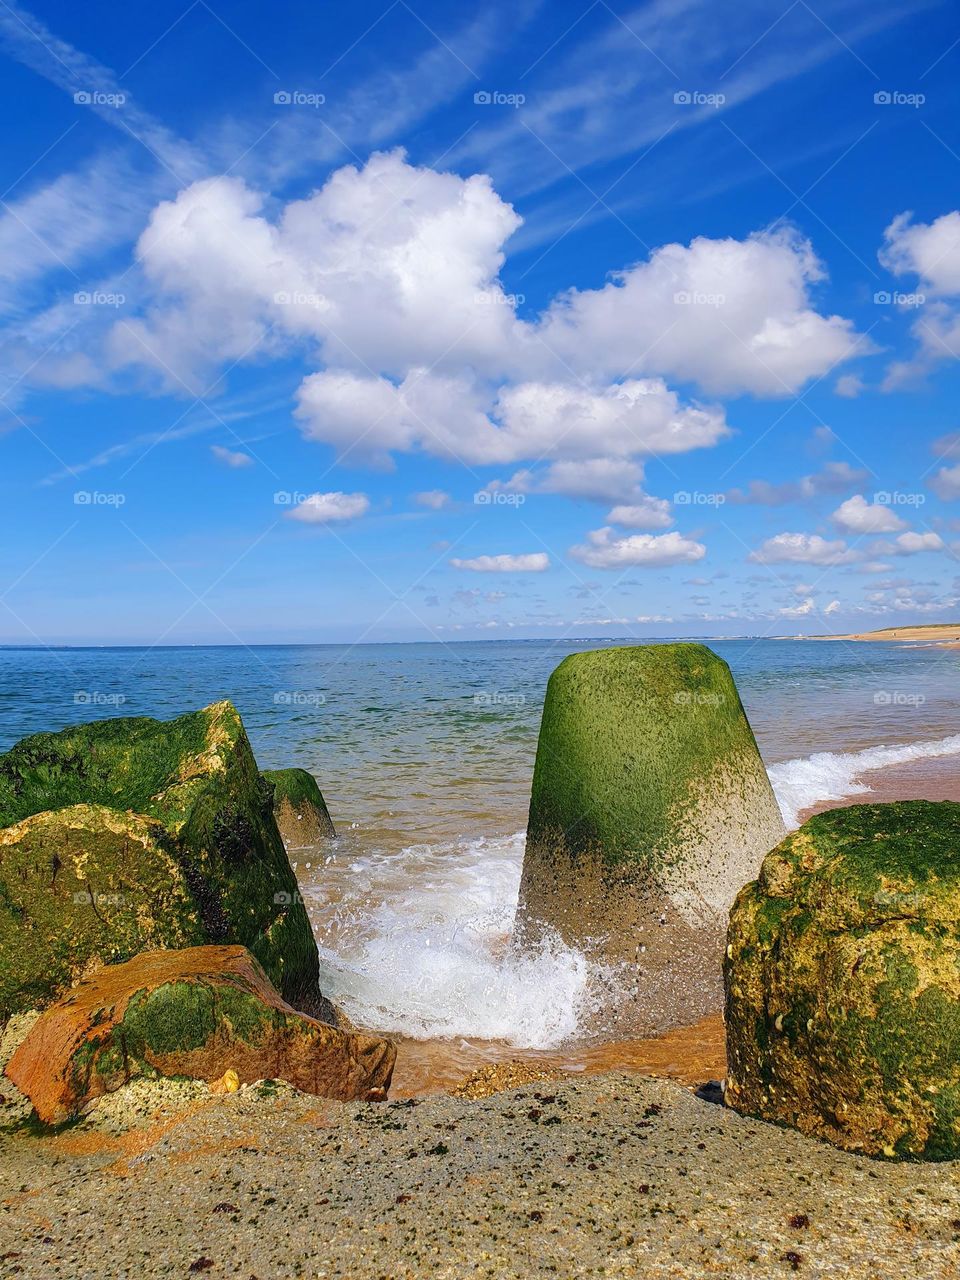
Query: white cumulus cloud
[604,549]
[859,516]
[534,562]
[327,508]
[802,548]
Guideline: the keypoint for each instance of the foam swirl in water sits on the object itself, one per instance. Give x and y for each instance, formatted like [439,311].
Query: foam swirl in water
[419,944]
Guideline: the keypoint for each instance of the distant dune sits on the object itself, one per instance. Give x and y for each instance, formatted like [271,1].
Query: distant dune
[945,635]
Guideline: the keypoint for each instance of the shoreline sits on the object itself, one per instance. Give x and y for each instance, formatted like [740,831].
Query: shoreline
[940,635]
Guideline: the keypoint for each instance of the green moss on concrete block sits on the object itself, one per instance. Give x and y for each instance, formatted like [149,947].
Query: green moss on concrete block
[197,777]
[843,981]
[299,807]
[625,733]
[650,807]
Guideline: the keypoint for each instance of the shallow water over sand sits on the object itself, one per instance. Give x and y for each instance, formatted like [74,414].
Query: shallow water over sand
[425,755]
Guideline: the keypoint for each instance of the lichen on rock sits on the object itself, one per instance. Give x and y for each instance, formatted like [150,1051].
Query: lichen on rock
[299,808]
[194,780]
[203,1012]
[650,808]
[843,982]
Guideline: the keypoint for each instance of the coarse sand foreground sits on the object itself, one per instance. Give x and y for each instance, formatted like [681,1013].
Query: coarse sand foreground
[612,1175]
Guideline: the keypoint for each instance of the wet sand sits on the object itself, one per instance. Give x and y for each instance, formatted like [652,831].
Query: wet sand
[689,1055]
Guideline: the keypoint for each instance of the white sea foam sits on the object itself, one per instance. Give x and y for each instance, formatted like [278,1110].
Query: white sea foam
[424,950]
[418,942]
[834,775]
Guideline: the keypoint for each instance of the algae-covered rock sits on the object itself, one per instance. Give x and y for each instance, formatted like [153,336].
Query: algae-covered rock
[843,982]
[650,808]
[83,887]
[196,779]
[299,808]
[204,1012]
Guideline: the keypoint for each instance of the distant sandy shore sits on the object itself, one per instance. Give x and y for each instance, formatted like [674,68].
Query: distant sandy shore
[943,635]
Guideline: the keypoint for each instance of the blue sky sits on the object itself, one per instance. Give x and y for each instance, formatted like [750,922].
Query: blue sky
[402,321]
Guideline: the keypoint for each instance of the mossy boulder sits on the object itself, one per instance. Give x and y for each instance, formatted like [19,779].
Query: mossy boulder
[650,808]
[843,982]
[299,808]
[199,1012]
[196,785]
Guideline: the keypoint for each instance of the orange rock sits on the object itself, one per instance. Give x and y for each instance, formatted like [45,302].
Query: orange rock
[201,1012]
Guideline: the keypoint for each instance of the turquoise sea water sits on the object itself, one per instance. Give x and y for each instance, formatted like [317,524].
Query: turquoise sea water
[424,753]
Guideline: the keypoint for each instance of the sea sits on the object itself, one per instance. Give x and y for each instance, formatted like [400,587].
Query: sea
[424,753]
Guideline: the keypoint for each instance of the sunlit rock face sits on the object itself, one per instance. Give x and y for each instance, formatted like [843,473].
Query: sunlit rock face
[650,809]
[843,982]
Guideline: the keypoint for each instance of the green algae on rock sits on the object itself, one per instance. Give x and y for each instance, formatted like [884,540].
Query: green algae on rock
[81,887]
[196,777]
[650,808]
[299,808]
[199,1012]
[843,982]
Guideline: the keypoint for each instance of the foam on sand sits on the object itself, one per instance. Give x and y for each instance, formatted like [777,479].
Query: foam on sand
[835,775]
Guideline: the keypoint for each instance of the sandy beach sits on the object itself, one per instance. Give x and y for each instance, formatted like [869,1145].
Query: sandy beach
[945,635]
[612,1176]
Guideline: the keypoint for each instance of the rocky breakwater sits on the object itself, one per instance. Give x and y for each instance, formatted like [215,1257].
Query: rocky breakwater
[127,836]
[650,809]
[843,982]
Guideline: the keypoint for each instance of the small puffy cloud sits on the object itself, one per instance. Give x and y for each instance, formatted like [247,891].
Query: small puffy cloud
[604,549]
[911,544]
[946,483]
[800,610]
[328,508]
[834,477]
[802,548]
[929,250]
[231,457]
[833,607]
[434,499]
[849,386]
[856,515]
[645,513]
[535,562]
